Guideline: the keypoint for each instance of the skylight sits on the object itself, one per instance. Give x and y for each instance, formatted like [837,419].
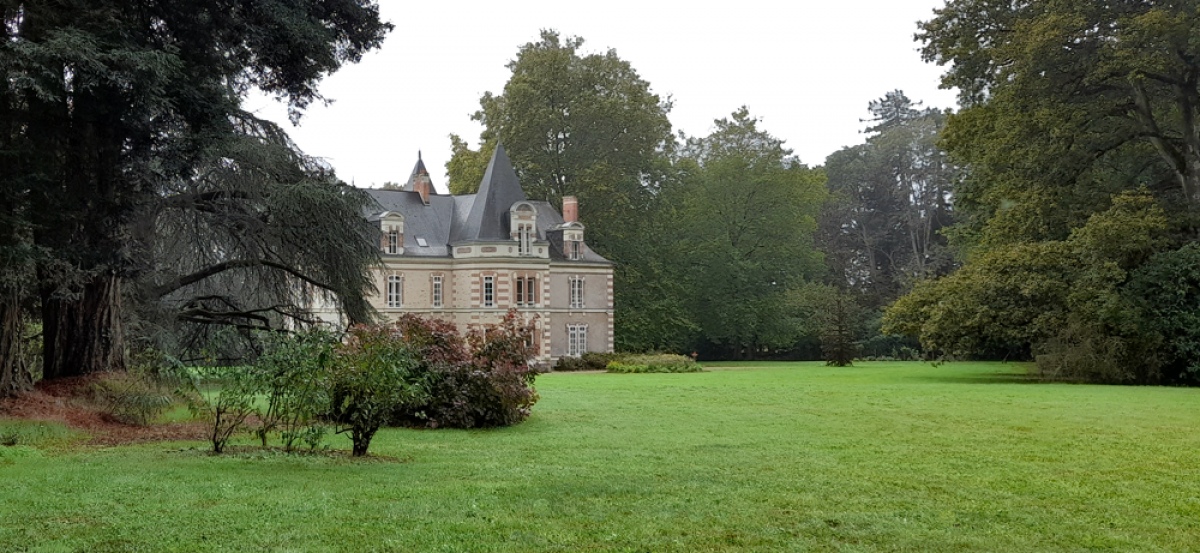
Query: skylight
[421,242]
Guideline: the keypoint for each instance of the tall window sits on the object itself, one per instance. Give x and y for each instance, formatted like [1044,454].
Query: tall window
[489,291]
[573,251]
[525,235]
[531,291]
[393,241]
[576,340]
[437,290]
[576,292]
[526,291]
[395,291]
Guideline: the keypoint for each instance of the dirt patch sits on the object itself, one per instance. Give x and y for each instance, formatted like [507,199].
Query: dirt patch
[64,400]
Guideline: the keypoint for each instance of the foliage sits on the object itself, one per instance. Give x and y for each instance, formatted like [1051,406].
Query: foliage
[154,383]
[107,106]
[228,408]
[588,125]
[481,380]
[293,378]
[654,363]
[890,200]
[747,218]
[376,373]
[1167,291]
[1061,300]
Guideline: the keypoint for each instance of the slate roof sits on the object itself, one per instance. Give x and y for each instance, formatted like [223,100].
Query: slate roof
[418,169]
[498,191]
[479,217]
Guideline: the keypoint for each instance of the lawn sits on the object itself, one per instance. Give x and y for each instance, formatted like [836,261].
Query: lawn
[752,457]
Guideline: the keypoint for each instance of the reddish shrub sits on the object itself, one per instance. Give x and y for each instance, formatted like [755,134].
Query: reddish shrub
[481,380]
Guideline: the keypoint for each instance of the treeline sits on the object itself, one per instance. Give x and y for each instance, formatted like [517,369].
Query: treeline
[726,244]
[1080,130]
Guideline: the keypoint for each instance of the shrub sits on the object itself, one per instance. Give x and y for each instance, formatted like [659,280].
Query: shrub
[567,364]
[292,375]
[150,387]
[375,373]
[228,408]
[655,363]
[482,380]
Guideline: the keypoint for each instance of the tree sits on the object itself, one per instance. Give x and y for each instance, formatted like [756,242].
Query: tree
[890,200]
[249,243]
[588,125]
[747,219]
[1064,301]
[106,101]
[1067,103]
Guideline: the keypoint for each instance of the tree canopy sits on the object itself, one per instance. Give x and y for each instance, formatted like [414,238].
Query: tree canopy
[107,104]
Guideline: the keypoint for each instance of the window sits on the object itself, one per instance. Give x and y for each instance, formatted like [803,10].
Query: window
[526,290]
[393,241]
[422,242]
[437,290]
[576,340]
[531,291]
[576,292]
[574,253]
[525,236]
[395,291]
[489,289]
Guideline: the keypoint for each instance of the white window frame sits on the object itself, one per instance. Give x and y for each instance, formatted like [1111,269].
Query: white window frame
[488,292]
[436,291]
[519,290]
[395,290]
[393,240]
[576,340]
[525,238]
[531,289]
[576,295]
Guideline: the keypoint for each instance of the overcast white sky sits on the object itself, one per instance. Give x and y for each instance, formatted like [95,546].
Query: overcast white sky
[807,68]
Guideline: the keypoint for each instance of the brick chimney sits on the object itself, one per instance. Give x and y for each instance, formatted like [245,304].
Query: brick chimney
[421,186]
[570,209]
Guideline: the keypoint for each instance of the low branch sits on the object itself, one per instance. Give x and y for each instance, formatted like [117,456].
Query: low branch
[212,270]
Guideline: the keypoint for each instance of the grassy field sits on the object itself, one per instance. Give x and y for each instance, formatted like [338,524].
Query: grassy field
[759,457]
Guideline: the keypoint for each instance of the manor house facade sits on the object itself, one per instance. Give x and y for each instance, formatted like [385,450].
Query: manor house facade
[468,259]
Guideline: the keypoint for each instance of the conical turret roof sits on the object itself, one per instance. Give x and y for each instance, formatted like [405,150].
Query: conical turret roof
[498,191]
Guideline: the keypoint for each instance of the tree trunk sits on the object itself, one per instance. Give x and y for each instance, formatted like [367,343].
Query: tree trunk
[14,373]
[83,335]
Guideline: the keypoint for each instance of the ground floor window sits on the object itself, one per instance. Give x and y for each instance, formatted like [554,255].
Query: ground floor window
[576,340]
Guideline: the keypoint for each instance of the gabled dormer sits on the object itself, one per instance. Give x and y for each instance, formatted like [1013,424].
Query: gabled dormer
[391,224]
[522,224]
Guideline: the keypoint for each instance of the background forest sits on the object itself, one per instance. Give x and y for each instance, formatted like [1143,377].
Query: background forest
[1052,217]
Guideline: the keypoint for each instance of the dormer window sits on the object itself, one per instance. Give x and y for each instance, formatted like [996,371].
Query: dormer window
[525,238]
[391,225]
[393,241]
[523,226]
[573,241]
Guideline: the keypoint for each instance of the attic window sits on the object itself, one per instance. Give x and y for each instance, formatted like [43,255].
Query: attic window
[421,242]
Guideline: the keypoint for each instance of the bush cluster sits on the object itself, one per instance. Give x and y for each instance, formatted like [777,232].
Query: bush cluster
[654,363]
[411,372]
[590,361]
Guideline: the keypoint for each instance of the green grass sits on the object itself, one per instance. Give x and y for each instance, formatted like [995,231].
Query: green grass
[768,457]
